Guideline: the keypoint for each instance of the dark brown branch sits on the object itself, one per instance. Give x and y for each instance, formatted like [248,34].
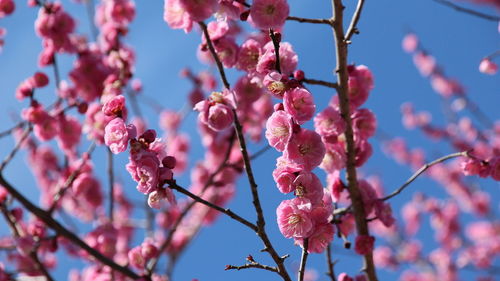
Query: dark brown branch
[261,231]
[353,29]
[422,170]
[468,11]
[352,182]
[276,44]
[329,263]
[220,67]
[173,185]
[62,231]
[320,82]
[303,259]
[306,20]
[252,265]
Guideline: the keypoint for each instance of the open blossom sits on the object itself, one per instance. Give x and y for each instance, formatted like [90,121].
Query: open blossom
[116,135]
[299,104]
[425,63]
[279,129]
[269,13]
[488,67]
[305,149]
[216,112]
[176,16]
[115,106]
[328,123]
[199,10]
[360,83]
[307,185]
[294,218]
[364,123]
[248,56]
[145,171]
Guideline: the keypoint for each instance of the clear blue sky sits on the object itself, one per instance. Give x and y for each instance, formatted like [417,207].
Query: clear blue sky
[457,40]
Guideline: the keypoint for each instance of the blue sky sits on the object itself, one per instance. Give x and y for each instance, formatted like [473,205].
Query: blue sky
[458,41]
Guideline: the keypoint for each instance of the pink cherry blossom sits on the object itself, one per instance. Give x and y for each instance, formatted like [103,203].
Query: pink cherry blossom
[294,218]
[269,13]
[305,149]
[279,129]
[299,104]
[307,185]
[199,10]
[176,16]
[328,123]
[116,135]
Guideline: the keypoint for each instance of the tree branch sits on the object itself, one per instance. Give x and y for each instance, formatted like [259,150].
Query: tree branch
[306,20]
[353,29]
[329,263]
[303,259]
[468,11]
[422,170]
[173,185]
[352,182]
[320,82]
[261,231]
[61,230]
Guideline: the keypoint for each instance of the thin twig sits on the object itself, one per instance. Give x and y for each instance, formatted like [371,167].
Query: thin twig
[220,67]
[8,132]
[422,170]
[303,259]
[306,20]
[173,185]
[353,29]
[320,82]
[61,230]
[468,11]
[329,263]
[252,265]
